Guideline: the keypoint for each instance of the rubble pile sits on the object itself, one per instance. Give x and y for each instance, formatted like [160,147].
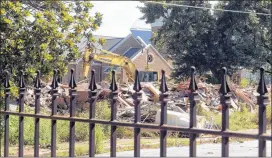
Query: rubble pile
[178,104]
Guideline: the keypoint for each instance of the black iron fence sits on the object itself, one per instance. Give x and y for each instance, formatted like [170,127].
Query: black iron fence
[162,127]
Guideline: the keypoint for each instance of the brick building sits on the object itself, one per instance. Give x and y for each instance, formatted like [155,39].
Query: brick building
[136,46]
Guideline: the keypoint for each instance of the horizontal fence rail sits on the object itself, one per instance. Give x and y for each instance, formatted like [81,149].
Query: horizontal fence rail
[225,133]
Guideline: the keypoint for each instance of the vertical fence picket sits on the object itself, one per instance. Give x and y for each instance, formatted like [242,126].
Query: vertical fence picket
[262,102]
[73,95]
[7,97]
[137,117]
[37,111]
[163,99]
[114,93]
[193,99]
[21,118]
[59,76]
[225,102]
[54,93]
[92,97]
[225,97]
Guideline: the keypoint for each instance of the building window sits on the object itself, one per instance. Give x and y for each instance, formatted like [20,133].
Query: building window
[149,58]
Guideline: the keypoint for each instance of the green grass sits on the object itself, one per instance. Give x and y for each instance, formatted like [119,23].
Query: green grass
[82,129]
[239,120]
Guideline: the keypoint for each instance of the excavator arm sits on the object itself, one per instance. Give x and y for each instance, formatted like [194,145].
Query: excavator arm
[111,59]
[125,63]
[116,60]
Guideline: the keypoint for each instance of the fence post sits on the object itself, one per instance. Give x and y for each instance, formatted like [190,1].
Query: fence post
[37,111]
[21,118]
[73,95]
[137,117]
[225,102]
[114,93]
[163,99]
[7,95]
[92,97]
[59,76]
[54,93]
[262,102]
[193,99]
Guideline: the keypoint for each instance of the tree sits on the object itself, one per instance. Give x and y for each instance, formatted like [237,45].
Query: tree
[211,40]
[43,35]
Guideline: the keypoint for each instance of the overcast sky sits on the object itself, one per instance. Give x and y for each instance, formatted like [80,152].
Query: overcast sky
[119,17]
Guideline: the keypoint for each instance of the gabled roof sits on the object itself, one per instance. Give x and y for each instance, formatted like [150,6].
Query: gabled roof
[155,50]
[110,41]
[131,52]
[120,42]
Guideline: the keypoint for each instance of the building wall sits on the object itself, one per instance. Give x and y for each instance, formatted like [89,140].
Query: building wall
[156,65]
[79,72]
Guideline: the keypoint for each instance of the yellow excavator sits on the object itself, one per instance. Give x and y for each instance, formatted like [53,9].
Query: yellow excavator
[117,60]
[123,62]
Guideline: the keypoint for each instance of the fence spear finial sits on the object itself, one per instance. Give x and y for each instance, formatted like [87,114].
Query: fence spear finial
[113,85]
[22,79]
[137,85]
[54,84]
[224,89]
[38,79]
[72,83]
[262,87]
[7,85]
[193,85]
[163,86]
[92,85]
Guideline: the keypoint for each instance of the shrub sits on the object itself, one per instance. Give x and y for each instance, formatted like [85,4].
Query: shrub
[242,119]
[268,116]
[239,120]
[124,132]
[103,112]
[211,79]
[99,137]
[244,82]
[82,131]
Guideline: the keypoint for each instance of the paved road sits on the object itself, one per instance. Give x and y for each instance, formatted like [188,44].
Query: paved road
[245,149]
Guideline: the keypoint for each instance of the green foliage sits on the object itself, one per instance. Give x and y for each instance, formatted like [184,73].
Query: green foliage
[211,79]
[244,82]
[210,40]
[43,35]
[99,138]
[103,112]
[124,132]
[243,120]
[239,120]
[82,131]
[45,127]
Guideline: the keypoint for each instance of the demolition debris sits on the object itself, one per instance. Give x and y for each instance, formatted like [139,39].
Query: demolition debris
[178,104]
